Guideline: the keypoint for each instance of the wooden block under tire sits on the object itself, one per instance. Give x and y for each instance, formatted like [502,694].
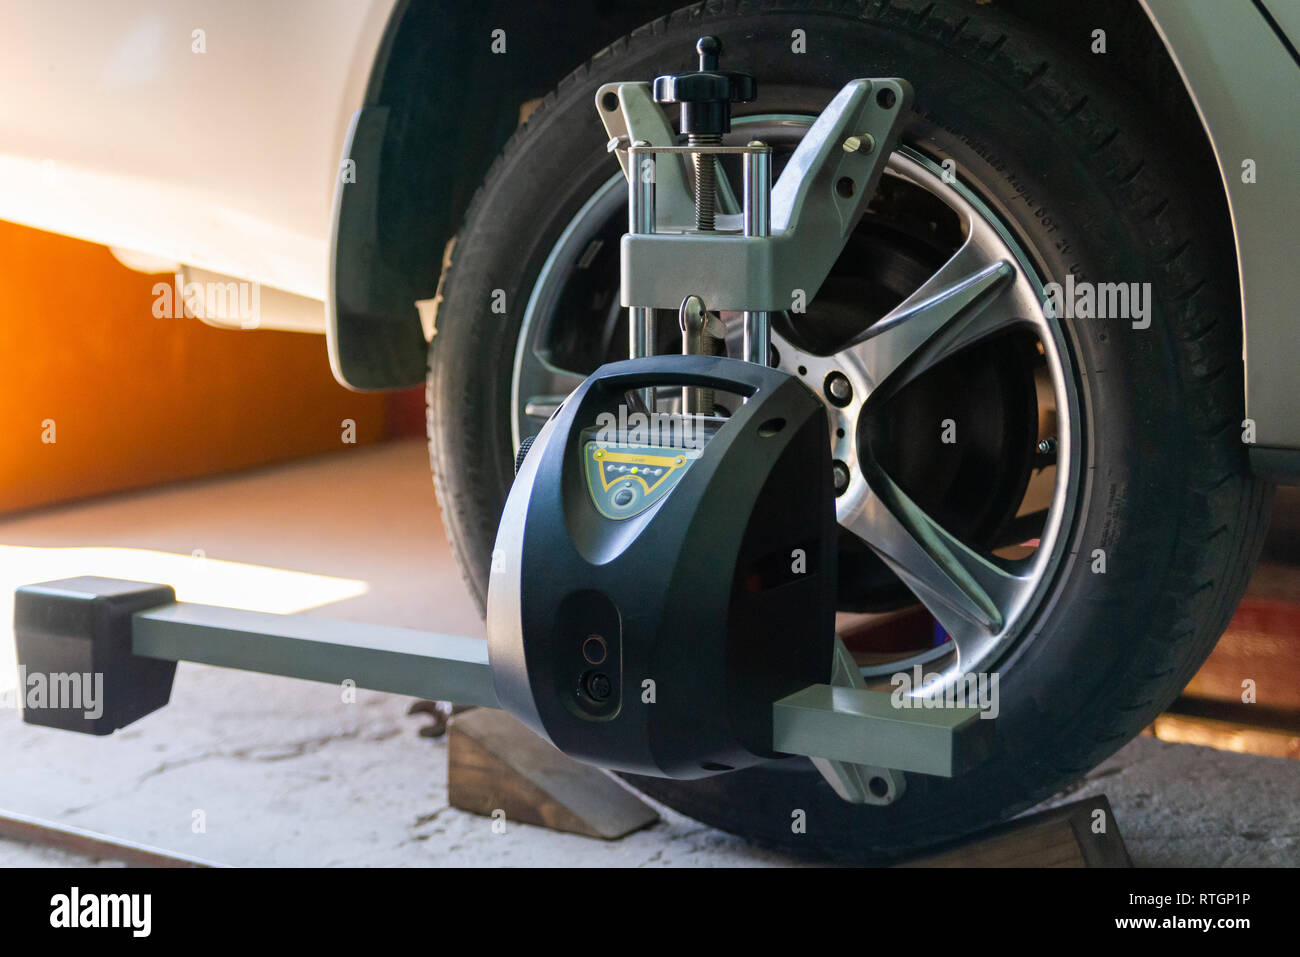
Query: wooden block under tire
[495,763]
[1065,836]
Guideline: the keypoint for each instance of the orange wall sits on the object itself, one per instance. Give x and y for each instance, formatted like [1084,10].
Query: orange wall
[137,400]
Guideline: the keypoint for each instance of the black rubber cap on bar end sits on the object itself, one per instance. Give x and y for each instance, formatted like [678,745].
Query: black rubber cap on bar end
[76,668]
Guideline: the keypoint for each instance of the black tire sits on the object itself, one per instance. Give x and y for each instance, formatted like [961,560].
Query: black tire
[1091,185]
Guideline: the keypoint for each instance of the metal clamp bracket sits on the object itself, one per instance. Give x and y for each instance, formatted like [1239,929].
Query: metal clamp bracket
[815,205]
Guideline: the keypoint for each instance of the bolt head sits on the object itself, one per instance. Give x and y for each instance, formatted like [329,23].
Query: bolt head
[838,389]
[840,473]
[860,143]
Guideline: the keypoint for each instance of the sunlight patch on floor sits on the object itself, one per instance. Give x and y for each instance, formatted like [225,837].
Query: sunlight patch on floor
[207,581]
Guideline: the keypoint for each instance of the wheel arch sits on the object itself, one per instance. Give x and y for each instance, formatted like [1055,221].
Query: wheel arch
[439,106]
[1238,65]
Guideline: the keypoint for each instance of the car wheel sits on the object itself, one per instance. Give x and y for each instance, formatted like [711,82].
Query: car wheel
[1060,500]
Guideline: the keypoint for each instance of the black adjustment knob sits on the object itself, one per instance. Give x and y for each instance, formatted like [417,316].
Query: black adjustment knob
[522,454]
[706,95]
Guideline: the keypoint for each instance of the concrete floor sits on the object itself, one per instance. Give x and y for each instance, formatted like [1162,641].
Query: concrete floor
[283,772]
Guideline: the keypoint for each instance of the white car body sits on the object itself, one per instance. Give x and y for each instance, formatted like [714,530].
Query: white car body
[188,133]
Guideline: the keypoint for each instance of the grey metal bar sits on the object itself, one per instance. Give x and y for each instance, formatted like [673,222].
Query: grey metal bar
[641,334]
[377,657]
[641,221]
[699,148]
[757,168]
[861,726]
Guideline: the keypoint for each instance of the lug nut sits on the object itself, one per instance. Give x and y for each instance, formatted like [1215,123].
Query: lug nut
[838,389]
[1047,446]
[840,472]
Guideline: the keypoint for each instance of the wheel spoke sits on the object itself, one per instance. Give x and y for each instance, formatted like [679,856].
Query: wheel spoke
[961,587]
[549,386]
[953,309]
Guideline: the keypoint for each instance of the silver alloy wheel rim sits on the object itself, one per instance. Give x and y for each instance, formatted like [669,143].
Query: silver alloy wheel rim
[988,286]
